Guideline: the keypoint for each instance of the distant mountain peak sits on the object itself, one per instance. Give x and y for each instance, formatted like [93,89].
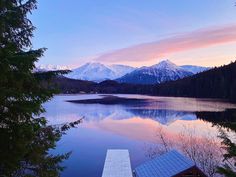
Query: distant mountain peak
[93,64]
[195,69]
[164,71]
[94,71]
[166,61]
[49,67]
[165,64]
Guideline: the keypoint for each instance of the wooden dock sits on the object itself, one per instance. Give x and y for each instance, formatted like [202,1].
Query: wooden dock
[117,164]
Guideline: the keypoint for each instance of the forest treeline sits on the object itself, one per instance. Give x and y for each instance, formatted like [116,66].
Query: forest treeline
[215,83]
[219,82]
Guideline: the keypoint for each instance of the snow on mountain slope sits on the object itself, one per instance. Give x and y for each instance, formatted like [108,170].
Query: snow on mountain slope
[43,68]
[92,72]
[195,69]
[99,72]
[161,72]
[121,70]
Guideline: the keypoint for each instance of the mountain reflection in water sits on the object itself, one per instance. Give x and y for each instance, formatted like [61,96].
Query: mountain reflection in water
[128,126]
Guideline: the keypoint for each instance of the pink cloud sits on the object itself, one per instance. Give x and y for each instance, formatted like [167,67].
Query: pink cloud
[202,38]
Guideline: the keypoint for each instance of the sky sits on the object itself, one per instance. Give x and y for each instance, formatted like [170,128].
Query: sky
[136,32]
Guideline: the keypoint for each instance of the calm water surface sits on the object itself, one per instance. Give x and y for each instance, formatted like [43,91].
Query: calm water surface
[131,127]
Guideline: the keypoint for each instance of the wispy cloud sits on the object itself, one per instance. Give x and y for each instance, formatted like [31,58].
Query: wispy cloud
[202,38]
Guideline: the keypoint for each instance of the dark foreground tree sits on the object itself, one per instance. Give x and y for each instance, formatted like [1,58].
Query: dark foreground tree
[229,167]
[25,136]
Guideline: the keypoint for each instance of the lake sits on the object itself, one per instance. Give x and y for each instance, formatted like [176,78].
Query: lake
[132,126]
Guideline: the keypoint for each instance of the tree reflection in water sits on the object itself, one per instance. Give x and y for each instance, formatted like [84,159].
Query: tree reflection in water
[206,151]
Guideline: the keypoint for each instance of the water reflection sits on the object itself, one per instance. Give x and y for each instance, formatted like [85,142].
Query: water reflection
[163,116]
[164,110]
[128,126]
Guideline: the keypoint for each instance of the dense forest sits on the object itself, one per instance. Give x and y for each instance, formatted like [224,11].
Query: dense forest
[215,83]
[70,86]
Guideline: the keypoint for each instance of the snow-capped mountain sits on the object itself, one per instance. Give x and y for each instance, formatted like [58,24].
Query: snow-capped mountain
[121,70]
[161,72]
[99,72]
[51,68]
[195,69]
[92,72]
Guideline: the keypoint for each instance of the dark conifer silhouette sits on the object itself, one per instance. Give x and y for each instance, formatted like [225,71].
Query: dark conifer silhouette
[25,136]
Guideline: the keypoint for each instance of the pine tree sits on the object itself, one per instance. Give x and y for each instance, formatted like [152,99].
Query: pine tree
[25,137]
[228,169]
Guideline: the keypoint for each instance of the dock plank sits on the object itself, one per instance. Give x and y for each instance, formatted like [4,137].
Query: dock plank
[117,163]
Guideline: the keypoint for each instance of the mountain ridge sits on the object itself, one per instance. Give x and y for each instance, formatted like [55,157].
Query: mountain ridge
[218,82]
[162,72]
[98,72]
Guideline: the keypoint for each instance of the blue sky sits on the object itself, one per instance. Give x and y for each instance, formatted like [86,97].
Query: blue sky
[79,31]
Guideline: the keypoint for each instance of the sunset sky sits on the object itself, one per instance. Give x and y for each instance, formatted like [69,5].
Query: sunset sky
[136,32]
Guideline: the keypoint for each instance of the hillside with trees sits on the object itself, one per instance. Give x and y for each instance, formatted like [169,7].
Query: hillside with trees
[216,83]
[71,86]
